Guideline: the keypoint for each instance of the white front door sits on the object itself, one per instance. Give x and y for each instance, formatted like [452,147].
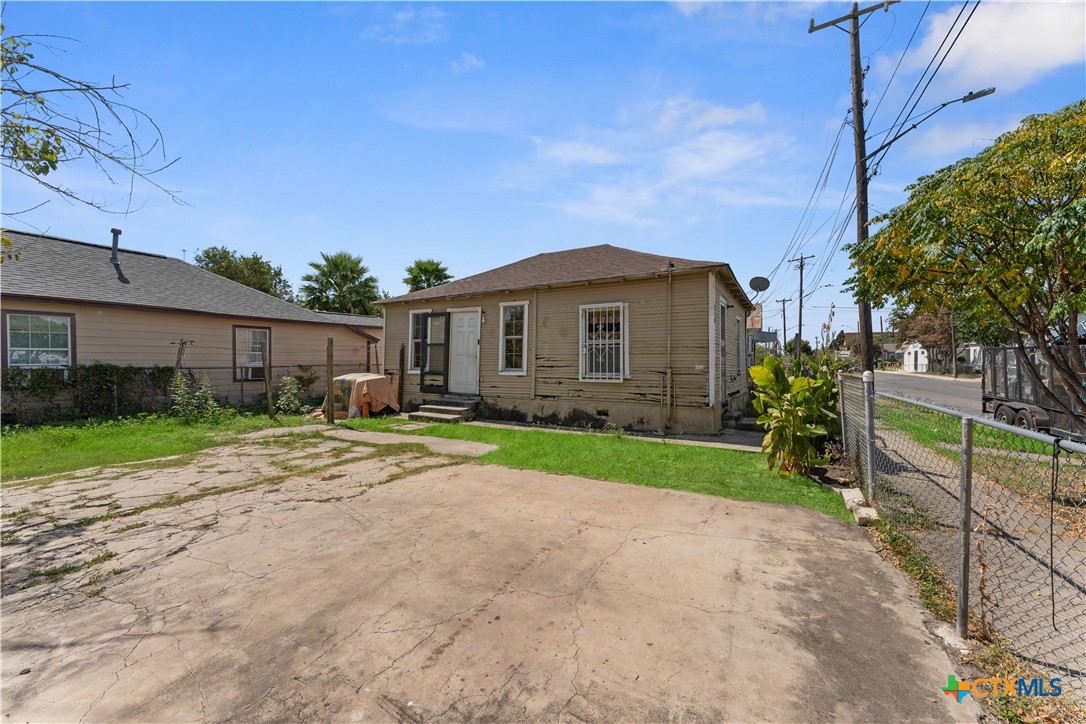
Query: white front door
[464,353]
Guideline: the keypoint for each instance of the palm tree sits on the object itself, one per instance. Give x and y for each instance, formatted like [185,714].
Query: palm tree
[426,273]
[340,283]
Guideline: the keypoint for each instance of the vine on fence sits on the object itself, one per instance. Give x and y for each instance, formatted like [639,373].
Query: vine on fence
[98,389]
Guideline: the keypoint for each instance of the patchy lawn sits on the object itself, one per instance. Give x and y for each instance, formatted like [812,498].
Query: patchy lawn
[620,458]
[50,449]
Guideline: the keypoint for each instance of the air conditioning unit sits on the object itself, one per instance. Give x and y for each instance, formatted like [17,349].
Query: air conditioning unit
[251,372]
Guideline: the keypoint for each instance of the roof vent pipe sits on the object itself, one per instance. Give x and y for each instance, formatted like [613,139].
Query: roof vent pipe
[116,237]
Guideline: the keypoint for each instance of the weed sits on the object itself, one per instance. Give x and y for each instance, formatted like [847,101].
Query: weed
[96,592]
[43,575]
[20,516]
[132,526]
[9,539]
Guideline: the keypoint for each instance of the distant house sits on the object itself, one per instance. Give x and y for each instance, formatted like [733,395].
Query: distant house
[66,302]
[914,358]
[969,355]
[620,336]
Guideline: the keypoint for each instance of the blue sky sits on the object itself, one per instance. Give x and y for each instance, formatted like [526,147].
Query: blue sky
[483,133]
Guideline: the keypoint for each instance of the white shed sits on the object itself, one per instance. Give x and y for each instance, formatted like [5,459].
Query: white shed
[914,358]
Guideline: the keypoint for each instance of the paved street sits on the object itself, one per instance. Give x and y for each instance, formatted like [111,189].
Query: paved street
[961,394]
[362,578]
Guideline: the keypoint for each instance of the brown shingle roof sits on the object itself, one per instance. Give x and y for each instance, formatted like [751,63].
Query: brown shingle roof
[590,263]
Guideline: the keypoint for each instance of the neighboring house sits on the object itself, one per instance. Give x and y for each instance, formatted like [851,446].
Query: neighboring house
[66,302]
[639,340]
[970,354]
[914,358]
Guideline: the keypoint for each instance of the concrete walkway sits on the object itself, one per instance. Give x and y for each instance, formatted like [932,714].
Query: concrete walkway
[462,592]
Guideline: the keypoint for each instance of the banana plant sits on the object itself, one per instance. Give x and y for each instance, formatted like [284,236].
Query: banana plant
[792,411]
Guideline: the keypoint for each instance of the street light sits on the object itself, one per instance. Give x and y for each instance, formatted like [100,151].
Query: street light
[867,337]
[928,114]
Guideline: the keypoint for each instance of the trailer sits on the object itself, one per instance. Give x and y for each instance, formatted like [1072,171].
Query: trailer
[1011,395]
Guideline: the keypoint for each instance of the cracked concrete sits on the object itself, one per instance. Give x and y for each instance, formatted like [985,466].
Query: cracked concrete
[457,592]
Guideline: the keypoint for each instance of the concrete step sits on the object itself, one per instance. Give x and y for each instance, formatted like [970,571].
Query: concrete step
[464,412]
[749,423]
[434,417]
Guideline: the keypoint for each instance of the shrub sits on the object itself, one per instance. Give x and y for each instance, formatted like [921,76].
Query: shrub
[194,402]
[288,397]
[791,410]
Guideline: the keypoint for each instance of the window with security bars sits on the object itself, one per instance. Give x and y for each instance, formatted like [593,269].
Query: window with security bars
[39,340]
[514,337]
[605,352]
[249,344]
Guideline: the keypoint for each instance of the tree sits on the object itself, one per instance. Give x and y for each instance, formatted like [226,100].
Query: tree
[933,331]
[340,282]
[51,120]
[426,273]
[253,271]
[790,348]
[1002,234]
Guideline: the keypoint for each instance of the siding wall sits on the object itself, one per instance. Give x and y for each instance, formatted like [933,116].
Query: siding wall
[124,336]
[551,384]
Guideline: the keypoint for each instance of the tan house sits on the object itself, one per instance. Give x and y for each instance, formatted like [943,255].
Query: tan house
[600,333]
[65,302]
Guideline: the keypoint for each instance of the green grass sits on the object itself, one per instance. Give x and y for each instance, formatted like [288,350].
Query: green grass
[708,470]
[51,449]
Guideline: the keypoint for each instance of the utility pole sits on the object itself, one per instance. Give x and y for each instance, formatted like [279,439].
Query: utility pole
[867,346]
[799,332]
[784,325]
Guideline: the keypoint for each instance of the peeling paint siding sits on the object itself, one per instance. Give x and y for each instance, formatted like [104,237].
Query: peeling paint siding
[553,351]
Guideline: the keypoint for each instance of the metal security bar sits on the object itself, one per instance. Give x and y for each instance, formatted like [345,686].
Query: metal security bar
[1001,510]
[604,350]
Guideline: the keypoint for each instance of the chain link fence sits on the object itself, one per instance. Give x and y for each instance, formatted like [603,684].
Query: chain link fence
[106,390]
[1001,510]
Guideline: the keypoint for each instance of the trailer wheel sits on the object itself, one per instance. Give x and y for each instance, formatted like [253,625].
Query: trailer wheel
[1004,415]
[1024,420]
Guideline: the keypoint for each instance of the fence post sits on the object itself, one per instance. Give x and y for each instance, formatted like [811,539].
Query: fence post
[267,379]
[869,414]
[329,403]
[841,412]
[965,514]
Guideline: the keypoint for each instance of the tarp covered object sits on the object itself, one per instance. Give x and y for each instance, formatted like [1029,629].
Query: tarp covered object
[360,388]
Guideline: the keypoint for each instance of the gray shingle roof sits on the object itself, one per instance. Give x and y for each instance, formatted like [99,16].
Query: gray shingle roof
[49,267]
[355,320]
[590,263]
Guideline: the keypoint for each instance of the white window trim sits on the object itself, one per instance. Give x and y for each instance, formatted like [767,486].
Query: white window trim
[68,318]
[411,339]
[625,341]
[523,371]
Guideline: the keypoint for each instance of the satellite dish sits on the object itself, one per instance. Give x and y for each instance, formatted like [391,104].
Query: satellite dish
[759,284]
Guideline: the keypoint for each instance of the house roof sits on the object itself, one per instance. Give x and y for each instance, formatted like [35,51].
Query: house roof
[590,263]
[49,267]
[354,320]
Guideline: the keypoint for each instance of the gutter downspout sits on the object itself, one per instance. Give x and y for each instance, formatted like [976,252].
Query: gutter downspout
[668,378]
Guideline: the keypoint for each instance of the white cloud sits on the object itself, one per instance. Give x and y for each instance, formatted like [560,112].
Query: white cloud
[1007,45]
[576,153]
[692,114]
[961,139]
[410,25]
[711,154]
[619,202]
[466,63]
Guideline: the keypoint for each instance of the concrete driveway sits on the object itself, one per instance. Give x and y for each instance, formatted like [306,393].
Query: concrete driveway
[262,588]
